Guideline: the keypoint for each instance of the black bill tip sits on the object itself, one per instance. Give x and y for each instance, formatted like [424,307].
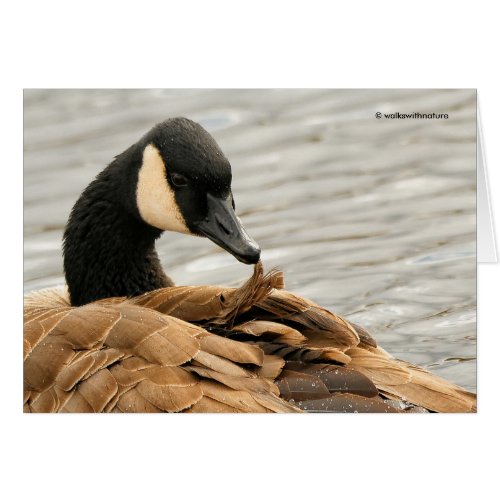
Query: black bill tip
[223,227]
[250,254]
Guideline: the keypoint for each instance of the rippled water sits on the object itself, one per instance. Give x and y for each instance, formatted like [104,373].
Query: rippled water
[374,219]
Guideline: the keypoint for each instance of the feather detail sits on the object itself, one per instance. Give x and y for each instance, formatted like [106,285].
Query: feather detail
[239,352]
[270,329]
[257,348]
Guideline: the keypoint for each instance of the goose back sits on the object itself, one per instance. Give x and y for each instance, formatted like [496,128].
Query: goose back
[257,348]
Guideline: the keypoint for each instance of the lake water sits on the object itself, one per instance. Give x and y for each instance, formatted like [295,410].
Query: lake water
[372,218]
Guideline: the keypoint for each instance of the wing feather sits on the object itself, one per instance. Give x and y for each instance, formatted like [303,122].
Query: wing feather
[256,348]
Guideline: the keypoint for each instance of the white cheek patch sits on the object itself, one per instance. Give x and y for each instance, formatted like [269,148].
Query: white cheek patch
[155,199]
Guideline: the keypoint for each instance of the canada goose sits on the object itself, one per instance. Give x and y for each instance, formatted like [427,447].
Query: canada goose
[125,339]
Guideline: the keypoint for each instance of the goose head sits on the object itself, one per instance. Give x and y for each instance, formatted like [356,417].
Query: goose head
[184,185]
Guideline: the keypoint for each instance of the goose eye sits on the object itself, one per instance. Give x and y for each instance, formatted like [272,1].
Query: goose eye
[178,180]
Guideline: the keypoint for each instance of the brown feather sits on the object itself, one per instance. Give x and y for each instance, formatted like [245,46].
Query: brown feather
[299,386]
[76,404]
[169,398]
[282,333]
[239,352]
[364,336]
[271,366]
[430,392]
[221,365]
[98,390]
[338,378]
[45,403]
[287,306]
[146,355]
[133,402]
[347,403]
[378,368]
[239,400]
[214,304]
[209,405]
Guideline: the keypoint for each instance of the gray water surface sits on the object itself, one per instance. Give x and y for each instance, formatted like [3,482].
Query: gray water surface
[374,219]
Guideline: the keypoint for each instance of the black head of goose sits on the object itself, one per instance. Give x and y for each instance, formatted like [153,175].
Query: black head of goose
[174,179]
[128,340]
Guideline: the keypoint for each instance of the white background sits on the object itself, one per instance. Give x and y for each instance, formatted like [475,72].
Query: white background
[253,44]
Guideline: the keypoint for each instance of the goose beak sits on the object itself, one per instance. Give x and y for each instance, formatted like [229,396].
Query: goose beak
[224,228]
